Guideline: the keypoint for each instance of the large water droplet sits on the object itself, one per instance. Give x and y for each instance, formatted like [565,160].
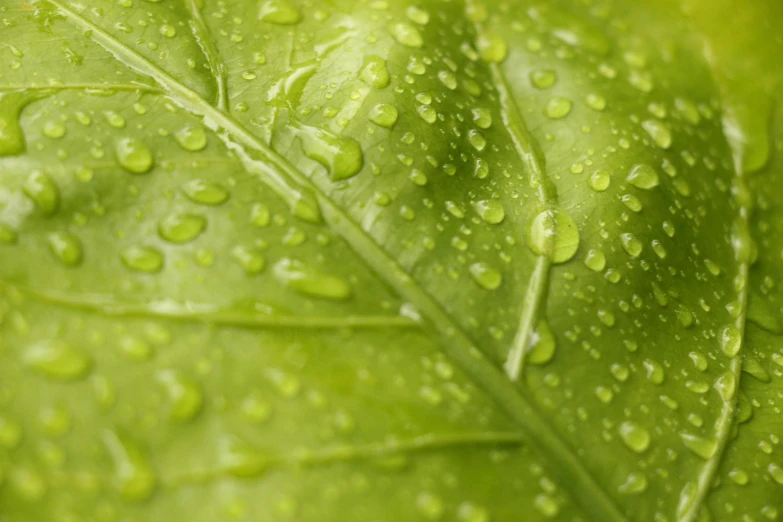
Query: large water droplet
[492,47]
[279,12]
[730,340]
[298,276]
[191,138]
[134,476]
[142,258]
[553,233]
[12,140]
[700,446]
[40,188]
[557,108]
[659,132]
[205,193]
[57,359]
[643,177]
[634,436]
[134,156]
[181,228]
[374,73]
[407,34]
[66,247]
[384,115]
[490,210]
[184,395]
[599,180]
[485,275]
[341,156]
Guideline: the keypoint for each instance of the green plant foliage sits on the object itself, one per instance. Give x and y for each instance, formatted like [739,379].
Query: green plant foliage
[375,261]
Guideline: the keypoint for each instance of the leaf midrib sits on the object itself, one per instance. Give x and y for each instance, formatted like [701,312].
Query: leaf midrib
[566,465]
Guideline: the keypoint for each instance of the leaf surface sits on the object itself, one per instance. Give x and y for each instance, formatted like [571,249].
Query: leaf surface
[444,261]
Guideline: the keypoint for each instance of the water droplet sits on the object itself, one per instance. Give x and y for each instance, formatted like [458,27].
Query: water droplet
[135,349]
[543,79]
[546,505]
[482,118]
[557,108]
[40,188]
[205,193]
[477,139]
[134,156]
[542,344]
[490,210]
[12,140]
[407,34]
[776,472]
[448,79]
[191,138]
[279,12]
[53,130]
[66,247]
[595,260]
[492,47]
[486,276]
[142,258]
[296,275]
[595,101]
[134,476]
[599,180]
[181,228]
[643,177]
[700,446]
[631,202]
[738,476]
[374,72]
[659,132]
[417,15]
[654,371]
[185,399]
[469,512]
[730,340]
[430,505]
[635,483]
[383,115]
[631,245]
[114,119]
[342,157]
[249,258]
[427,113]
[553,233]
[57,359]
[168,31]
[634,436]
[726,386]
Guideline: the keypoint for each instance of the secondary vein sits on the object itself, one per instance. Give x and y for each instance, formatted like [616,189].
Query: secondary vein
[216,66]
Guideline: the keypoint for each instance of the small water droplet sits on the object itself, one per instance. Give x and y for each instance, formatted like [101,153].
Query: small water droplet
[643,177]
[342,157]
[249,258]
[205,192]
[492,47]
[700,446]
[430,505]
[595,260]
[632,246]
[542,344]
[543,78]
[659,132]
[599,180]
[595,101]
[557,108]
[635,437]
[374,72]
[730,340]
[635,483]
[407,34]
[490,210]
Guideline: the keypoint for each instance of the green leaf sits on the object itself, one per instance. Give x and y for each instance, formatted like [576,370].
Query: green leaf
[278,260]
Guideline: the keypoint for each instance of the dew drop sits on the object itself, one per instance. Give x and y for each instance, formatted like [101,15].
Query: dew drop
[635,483]
[249,258]
[491,47]
[142,258]
[342,157]
[469,512]
[557,108]
[427,113]
[407,34]
[485,275]
[430,506]
[542,345]
[53,130]
[599,180]
[66,247]
[40,188]
[384,115]
[134,476]
[181,228]
[57,360]
[553,233]
[700,446]
[205,193]
[631,245]
[279,12]
[543,79]
[184,395]
[490,210]
[546,505]
[595,260]
[659,132]
[482,118]
[643,177]
[730,340]
[191,138]
[134,156]
[634,436]
[374,72]
[477,139]
[303,279]
[12,140]
[595,102]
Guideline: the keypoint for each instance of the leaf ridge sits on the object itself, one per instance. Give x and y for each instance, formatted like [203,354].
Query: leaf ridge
[216,66]
[262,317]
[131,87]
[723,427]
[455,343]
